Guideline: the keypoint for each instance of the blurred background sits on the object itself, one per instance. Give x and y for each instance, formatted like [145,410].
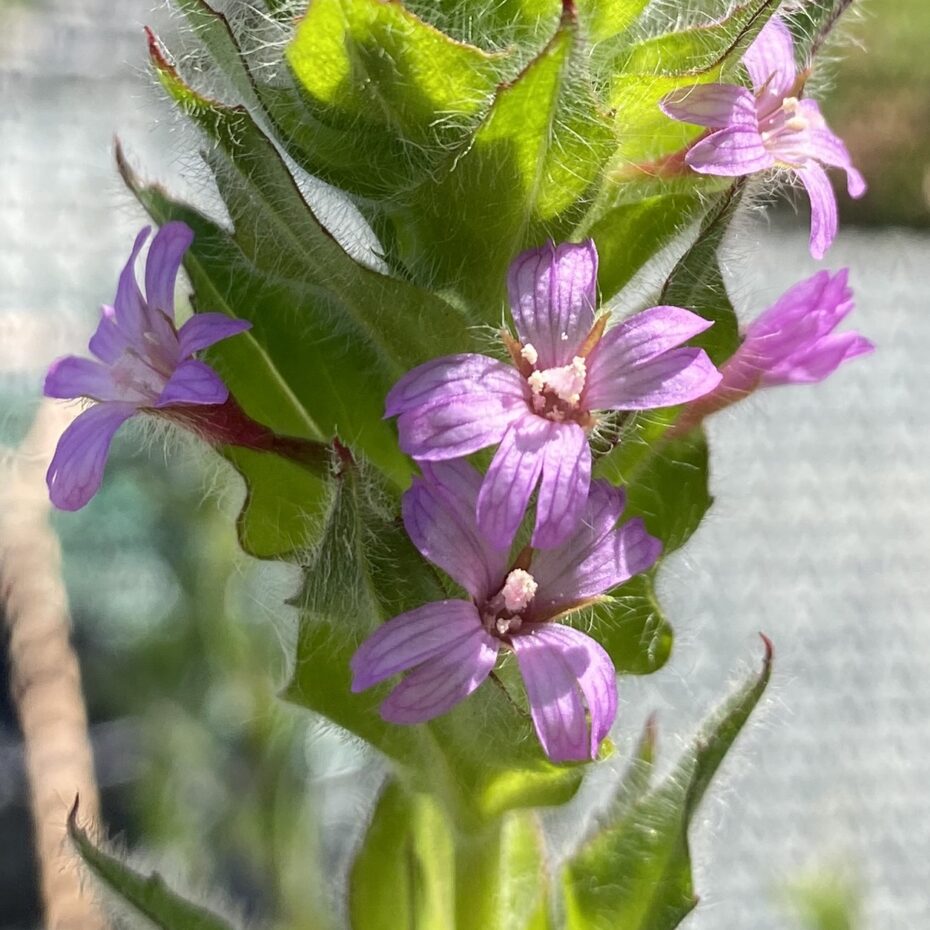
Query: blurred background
[820,536]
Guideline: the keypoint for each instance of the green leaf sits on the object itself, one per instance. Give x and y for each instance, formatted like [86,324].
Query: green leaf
[631,627]
[670,491]
[535,158]
[659,65]
[702,48]
[146,894]
[377,62]
[479,760]
[630,234]
[276,229]
[402,875]
[697,283]
[635,872]
[606,19]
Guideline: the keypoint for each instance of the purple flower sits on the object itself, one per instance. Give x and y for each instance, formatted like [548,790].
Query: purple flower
[767,128]
[541,409]
[449,647]
[143,362]
[793,342]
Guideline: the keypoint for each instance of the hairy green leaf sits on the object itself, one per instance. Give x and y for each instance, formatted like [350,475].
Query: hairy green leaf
[657,66]
[630,625]
[635,871]
[536,155]
[148,895]
[630,234]
[696,282]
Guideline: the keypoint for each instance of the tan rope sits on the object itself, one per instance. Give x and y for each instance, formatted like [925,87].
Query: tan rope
[44,673]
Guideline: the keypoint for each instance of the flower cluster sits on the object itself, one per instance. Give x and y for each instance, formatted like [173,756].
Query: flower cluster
[771,126]
[566,369]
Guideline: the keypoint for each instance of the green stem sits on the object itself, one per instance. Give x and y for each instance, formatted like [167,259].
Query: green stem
[477,879]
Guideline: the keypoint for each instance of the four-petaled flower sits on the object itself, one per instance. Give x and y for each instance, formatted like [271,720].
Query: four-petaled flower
[450,647]
[767,128]
[792,342]
[541,408]
[143,362]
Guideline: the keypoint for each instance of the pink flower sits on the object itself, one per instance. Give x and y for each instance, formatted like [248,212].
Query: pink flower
[143,363]
[541,408]
[448,648]
[767,128]
[793,342]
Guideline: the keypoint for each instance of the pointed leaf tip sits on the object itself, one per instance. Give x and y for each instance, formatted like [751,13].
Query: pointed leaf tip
[769,652]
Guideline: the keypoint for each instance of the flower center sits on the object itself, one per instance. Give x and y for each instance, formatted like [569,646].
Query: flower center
[557,391]
[502,614]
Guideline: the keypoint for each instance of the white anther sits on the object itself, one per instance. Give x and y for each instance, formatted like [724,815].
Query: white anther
[529,353]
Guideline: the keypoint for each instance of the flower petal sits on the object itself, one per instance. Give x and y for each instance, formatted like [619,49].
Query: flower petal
[674,377]
[412,638]
[203,330]
[438,685]
[553,291]
[595,561]
[559,666]
[511,479]
[823,208]
[72,376]
[770,61]
[818,361]
[459,427]
[193,382]
[129,304]
[453,377]
[642,337]
[108,342]
[563,491]
[439,516]
[713,105]
[730,152]
[829,148]
[162,264]
[76,469]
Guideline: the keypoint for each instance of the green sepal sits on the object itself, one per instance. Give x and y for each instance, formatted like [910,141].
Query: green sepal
[147,895]
[635,871]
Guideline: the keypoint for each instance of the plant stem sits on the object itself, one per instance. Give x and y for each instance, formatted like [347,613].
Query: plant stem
[477,879]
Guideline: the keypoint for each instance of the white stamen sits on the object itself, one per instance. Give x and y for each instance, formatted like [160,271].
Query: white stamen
[518,591]
[566,382]
[529,353]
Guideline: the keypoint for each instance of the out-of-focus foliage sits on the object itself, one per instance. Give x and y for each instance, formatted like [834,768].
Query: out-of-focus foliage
[881,107]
